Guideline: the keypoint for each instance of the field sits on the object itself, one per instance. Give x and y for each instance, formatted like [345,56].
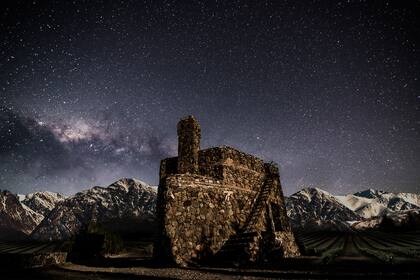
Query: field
[332,255]
[28,247]
[30,254]
[370,246]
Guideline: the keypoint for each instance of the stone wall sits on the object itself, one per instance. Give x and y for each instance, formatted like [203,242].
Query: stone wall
[207,197]
[200,214]
[168,166]
[285,242]
[234,167]
[224,163]
[189,133]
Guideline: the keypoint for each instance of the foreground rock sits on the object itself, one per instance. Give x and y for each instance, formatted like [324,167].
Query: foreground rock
[127,205]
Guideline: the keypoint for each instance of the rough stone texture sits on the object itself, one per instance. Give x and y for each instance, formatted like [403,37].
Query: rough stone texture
[189,134]
[285,241]
[201,205]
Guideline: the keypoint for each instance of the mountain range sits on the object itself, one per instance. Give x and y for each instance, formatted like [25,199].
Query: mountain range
[314,209]
[128,207]
[16,219]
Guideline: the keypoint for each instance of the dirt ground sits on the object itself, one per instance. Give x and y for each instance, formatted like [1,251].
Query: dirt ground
[141,269]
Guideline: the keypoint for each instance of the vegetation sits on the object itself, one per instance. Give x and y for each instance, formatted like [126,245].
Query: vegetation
[381,255]
[27,247]
[318,242]
[329,255]
[411,252]
[375,245]
[95,241]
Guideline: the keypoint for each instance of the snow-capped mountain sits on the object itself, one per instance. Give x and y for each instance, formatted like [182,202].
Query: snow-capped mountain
[126,205]
[391,220]
[313,207]
[372,203]
[42,202]
[16,219]
[362,206]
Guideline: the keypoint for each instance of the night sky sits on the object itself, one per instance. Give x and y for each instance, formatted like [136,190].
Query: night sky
[91,91]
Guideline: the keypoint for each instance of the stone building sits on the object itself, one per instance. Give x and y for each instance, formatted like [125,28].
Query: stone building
[219,203]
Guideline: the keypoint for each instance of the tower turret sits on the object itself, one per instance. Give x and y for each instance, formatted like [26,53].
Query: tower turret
[189,134]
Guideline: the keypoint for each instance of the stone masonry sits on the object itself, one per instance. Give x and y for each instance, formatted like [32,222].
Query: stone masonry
[219,203]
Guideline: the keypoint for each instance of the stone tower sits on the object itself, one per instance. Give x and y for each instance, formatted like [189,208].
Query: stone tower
[189,134]
[219,204]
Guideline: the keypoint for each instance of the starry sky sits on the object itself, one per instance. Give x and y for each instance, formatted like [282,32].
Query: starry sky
[91,91]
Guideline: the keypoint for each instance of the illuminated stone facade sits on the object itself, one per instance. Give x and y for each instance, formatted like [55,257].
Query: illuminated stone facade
[219,203]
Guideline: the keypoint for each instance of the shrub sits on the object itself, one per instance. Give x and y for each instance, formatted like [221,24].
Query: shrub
[381,255]
[329,255]
[411,252]
[95,241]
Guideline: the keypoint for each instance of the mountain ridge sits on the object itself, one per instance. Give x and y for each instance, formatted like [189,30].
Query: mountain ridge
[129,204]
[16,219]
[368,209]
[124,205]
[42,201]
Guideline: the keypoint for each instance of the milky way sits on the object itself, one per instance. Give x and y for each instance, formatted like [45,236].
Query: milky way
[91,91]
